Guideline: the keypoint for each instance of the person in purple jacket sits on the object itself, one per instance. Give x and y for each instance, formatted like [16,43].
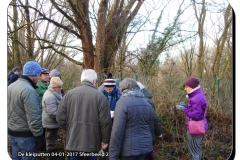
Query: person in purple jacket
[196,109]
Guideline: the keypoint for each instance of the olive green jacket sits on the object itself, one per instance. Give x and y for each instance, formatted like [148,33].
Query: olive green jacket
[41,90]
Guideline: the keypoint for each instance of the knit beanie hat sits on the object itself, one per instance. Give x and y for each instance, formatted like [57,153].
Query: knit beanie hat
[192,82]
[109,75]
[54,73]
[55,82]
[109,83]
[31,69]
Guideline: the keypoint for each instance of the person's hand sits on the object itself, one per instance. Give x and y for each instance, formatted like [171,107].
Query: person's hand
[40,142]
[180,107]
[104,145]
[160,136]
[183,104]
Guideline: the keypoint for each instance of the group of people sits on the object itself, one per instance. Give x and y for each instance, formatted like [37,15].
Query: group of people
[118,117]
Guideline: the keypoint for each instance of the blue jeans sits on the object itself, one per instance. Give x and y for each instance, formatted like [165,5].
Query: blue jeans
[22,146]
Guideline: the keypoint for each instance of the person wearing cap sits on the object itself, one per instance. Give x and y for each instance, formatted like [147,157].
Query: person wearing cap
[84,113]
[43,84]
[133,125]
[56,73]
[112,93]
[50,102]
[15,72]
[195,109]
[24,123]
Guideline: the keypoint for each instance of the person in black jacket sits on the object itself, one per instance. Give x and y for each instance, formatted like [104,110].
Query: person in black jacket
[133,125]
[12,75]
[157,123]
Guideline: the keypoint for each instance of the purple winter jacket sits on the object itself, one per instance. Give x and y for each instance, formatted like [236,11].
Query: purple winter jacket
[197,105]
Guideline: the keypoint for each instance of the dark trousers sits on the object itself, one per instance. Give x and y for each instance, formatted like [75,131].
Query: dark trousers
[51,136]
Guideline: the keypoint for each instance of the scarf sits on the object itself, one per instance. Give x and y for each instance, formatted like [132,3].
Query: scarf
[132,93]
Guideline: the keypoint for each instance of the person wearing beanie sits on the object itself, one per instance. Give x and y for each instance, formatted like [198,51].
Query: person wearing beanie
[108,76]
[43,84]
[84,113]
[112,93]
[196,109]
[24,123]
[50,102]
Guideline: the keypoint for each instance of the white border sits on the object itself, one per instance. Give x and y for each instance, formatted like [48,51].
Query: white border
[3,79]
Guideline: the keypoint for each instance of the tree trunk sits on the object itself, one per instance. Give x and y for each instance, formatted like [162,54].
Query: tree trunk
[201,20]
[16,54]
[29,40]
[99,50]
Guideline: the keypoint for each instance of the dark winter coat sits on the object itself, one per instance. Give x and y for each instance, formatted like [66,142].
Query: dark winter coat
[132,128]
[157,122]
[84,113]
[148,96]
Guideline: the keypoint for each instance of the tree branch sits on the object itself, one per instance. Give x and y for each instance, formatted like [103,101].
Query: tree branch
[63,54]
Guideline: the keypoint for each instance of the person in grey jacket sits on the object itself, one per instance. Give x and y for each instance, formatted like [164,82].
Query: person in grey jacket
[84,114]
[50,102]
[133,125]
[24,124]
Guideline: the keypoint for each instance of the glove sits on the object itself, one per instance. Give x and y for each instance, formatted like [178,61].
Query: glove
[183,104]
[40,142]
[180,107]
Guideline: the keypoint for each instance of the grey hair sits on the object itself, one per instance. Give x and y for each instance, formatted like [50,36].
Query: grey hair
[88,75]
[129,83]
[54,73]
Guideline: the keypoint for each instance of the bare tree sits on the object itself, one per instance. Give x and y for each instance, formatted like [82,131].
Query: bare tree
[113,19]
[222,41]
[25,28]
[200,19]
[13,52]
